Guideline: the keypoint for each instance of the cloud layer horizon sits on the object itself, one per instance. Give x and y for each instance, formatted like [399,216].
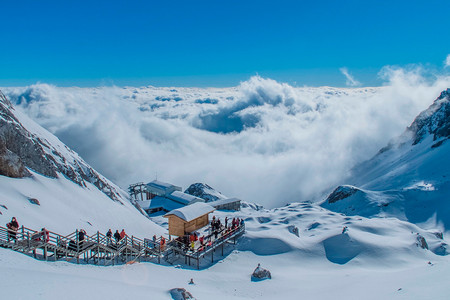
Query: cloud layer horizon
[263,141]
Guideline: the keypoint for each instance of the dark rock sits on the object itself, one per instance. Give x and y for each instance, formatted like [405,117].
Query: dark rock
[261,274]
[293,229]
[203,191]
[180,294]
[10,164]
[439,235]
[341,192]
[421,242]
[435,120]
[34,201]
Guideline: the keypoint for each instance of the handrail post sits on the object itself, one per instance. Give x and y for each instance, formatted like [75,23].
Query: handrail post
[78,246]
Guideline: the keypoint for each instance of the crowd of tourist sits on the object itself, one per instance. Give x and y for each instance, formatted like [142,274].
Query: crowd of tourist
[216,230]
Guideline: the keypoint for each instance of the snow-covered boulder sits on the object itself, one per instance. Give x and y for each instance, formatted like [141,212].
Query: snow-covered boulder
[180,294]
[261,274]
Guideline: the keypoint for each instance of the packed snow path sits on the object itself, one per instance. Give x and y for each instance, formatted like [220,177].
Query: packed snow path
[99,248]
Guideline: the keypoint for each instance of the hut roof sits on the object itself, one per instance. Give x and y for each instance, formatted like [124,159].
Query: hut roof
[162,185]
[224,201]
[165,203]
[191,212]
[184,198]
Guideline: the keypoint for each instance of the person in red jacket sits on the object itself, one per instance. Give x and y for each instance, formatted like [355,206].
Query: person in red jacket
[122,234]
[45,235]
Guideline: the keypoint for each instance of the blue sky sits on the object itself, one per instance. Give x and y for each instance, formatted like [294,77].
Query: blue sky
[217,43]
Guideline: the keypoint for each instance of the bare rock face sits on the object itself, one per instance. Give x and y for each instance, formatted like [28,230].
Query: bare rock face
[261,274]
[421,242]
[435,120]
[21,150]
[341,192]
[180,294]
[204,191]
[10,164]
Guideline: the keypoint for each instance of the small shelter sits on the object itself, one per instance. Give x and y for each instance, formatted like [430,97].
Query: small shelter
[189,218]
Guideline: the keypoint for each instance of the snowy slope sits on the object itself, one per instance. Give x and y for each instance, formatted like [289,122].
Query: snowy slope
[304,245]
[374,259]
[408,179]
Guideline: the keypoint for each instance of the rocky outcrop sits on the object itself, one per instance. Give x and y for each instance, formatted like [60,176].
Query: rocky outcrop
[435,120]
[261,274]
[10,164]
[21,149]
[204,191]
[180,294]
[421,242]
[341,192]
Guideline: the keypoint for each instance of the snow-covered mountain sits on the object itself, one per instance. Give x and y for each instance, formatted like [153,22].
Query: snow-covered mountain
[24,144]
[408,179]
[204,191]
[45,183]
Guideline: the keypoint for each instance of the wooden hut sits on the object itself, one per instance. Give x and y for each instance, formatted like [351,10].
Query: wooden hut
[189,218]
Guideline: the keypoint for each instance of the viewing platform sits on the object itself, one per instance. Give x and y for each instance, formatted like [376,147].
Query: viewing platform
[101,250]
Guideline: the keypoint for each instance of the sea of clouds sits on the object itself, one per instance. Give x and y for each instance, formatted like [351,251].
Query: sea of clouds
[262,141]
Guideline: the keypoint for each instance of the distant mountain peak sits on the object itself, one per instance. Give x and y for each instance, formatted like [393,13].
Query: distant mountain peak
[435,120]
[204,191]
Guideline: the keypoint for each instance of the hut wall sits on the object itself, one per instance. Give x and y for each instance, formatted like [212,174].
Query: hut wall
[196,223]
[176,226]
[179,227]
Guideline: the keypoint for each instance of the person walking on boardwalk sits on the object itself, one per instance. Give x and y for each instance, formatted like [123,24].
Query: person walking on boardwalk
[108,236]
[13,226]
[45,235]
[162,244]
[81,236]
[122,234]
[117,235]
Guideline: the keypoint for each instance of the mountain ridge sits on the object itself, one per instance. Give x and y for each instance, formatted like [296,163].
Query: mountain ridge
[25,145]
[409,178]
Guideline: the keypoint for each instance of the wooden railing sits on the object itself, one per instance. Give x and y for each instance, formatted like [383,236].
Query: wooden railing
[99,248]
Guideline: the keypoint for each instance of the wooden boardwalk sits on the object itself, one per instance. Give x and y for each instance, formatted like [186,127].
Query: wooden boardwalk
[99,249]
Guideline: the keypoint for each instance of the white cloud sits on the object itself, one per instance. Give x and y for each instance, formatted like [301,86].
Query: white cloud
[350,80]
[284,144]
[447,61]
